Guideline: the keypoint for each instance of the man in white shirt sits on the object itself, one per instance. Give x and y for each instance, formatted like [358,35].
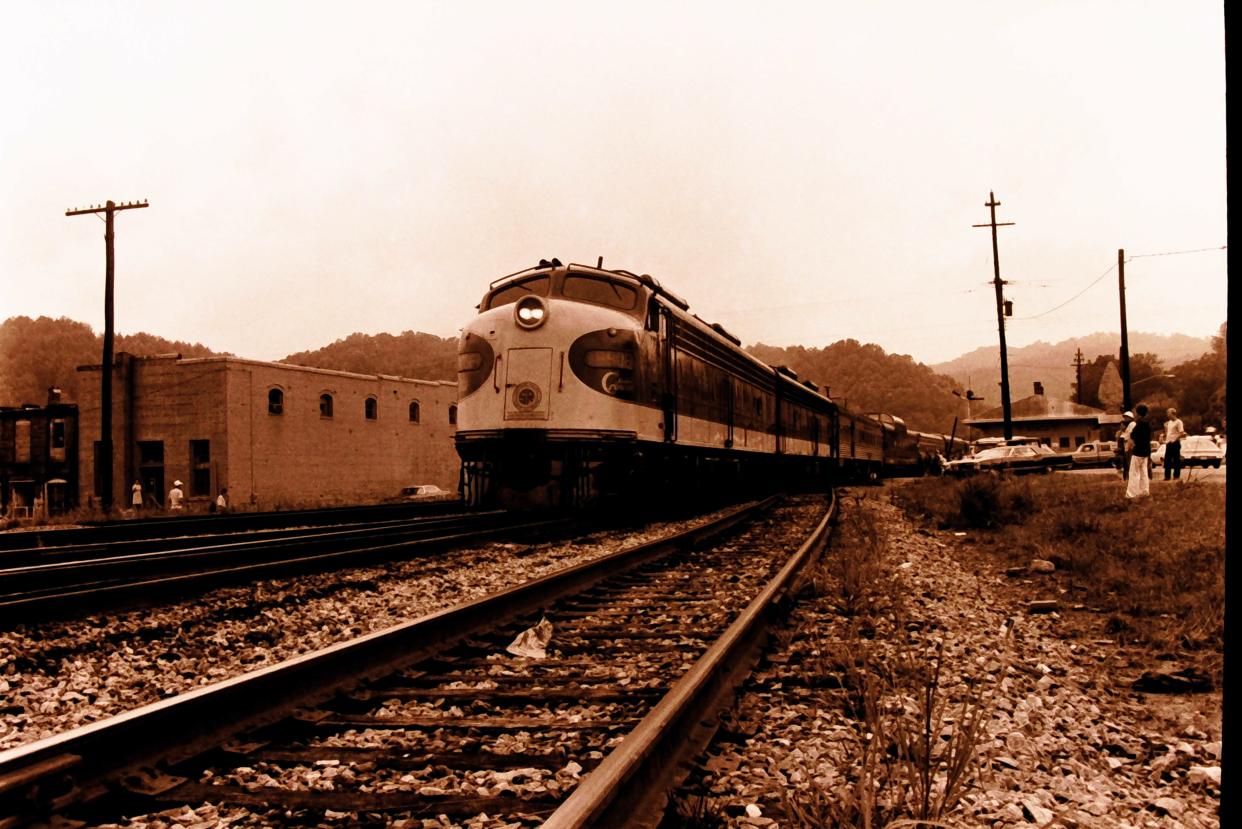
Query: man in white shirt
[1173,434]
[175,497]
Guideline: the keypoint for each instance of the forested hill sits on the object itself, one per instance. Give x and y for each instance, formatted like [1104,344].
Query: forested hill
[1053,363]
[38,353]
[871,380]
[408,354]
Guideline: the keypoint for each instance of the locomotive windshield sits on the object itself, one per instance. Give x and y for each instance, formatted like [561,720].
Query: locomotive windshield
[513,292]
[600,291]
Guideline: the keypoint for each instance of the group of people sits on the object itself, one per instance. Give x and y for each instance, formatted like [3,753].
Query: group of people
[176,498]
[1135,443]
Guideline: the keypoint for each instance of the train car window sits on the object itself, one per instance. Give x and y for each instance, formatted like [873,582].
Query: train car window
[600,292]
[538,285]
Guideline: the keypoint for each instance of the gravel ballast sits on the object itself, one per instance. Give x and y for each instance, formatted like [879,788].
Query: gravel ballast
[59,676]
[1064,740]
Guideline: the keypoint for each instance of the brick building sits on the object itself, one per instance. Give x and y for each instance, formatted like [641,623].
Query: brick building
[276,435]
[38,457]
[1061,424]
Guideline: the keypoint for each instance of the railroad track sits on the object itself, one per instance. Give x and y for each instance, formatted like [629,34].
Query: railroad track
[433,717]
[74,581]
[161,526]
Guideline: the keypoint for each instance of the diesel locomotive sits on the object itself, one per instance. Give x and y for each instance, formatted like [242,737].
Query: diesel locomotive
[578,382]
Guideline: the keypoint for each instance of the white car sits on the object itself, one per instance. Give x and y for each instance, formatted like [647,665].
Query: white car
[425,492]
[1197,450]
[1201,450]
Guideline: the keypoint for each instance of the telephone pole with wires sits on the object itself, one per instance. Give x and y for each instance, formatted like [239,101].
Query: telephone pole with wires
[1003,309]
[1125,334]
[1077,364]
[103,458]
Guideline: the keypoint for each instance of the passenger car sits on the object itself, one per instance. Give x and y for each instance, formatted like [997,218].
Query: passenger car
[1095,453]
[1052,458]
[1000,459]
[1201,450]
[424,492]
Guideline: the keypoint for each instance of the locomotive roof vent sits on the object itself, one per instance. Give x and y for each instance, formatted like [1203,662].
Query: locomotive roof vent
[544,263]
[719,329]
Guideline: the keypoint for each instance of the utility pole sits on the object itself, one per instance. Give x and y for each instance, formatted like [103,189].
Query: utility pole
[1125,334]
[1001,308]
[1077,364]
[103,458]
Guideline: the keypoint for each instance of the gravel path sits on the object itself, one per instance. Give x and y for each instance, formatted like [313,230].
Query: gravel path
[58,676]
[1063,740]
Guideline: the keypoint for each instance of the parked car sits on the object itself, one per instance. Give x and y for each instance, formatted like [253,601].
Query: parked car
[1201,450]
[1052,458]
[424,492]
[1095,453]
[1016,459]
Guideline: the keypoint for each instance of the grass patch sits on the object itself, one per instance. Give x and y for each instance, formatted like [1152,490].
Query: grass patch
[1156,565]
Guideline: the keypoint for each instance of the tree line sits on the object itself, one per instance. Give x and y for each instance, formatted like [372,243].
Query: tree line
[43,352]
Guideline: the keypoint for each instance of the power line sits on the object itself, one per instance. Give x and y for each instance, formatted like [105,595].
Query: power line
[1175,252]
[1095,281]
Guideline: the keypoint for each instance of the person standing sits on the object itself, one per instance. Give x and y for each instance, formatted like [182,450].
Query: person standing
[1173,434]
[175,497]
[136,498]
[222,500]
[1123,459]
[1138,439]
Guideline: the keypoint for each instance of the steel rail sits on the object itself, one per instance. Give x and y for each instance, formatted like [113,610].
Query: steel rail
[91,551]
[163,525]
[126,581]
[81,765]
[630,786]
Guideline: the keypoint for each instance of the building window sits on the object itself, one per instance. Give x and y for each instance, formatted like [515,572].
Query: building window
[371,408]
[21,439]
[325,405]
[200,467]
[1079,440]
[414,411]
[453,415]
[57,440]
[1065,443]
[275,401]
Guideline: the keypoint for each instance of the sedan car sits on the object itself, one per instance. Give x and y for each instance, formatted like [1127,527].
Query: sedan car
[1201,450]
[424,492]
[1000,459]
[1052,458]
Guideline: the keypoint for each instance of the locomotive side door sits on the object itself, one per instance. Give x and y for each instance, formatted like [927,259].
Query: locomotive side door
[528,382]
[668,364]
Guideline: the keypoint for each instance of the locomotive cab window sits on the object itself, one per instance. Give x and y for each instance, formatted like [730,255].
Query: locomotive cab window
[599,291]
[538,285]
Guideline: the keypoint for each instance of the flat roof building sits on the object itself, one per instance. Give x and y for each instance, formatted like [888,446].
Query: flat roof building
[1061,424]
[276,435]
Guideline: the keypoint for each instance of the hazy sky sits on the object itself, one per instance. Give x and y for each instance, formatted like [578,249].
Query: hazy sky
[801,174]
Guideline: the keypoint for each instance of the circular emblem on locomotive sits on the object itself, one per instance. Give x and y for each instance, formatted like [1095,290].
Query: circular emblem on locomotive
[526,396]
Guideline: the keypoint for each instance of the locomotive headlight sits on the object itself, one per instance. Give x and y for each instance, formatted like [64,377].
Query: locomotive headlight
[530,312]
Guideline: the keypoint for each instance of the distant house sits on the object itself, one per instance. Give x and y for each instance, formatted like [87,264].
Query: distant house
[1061,424]
[38,457]
[276,435]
